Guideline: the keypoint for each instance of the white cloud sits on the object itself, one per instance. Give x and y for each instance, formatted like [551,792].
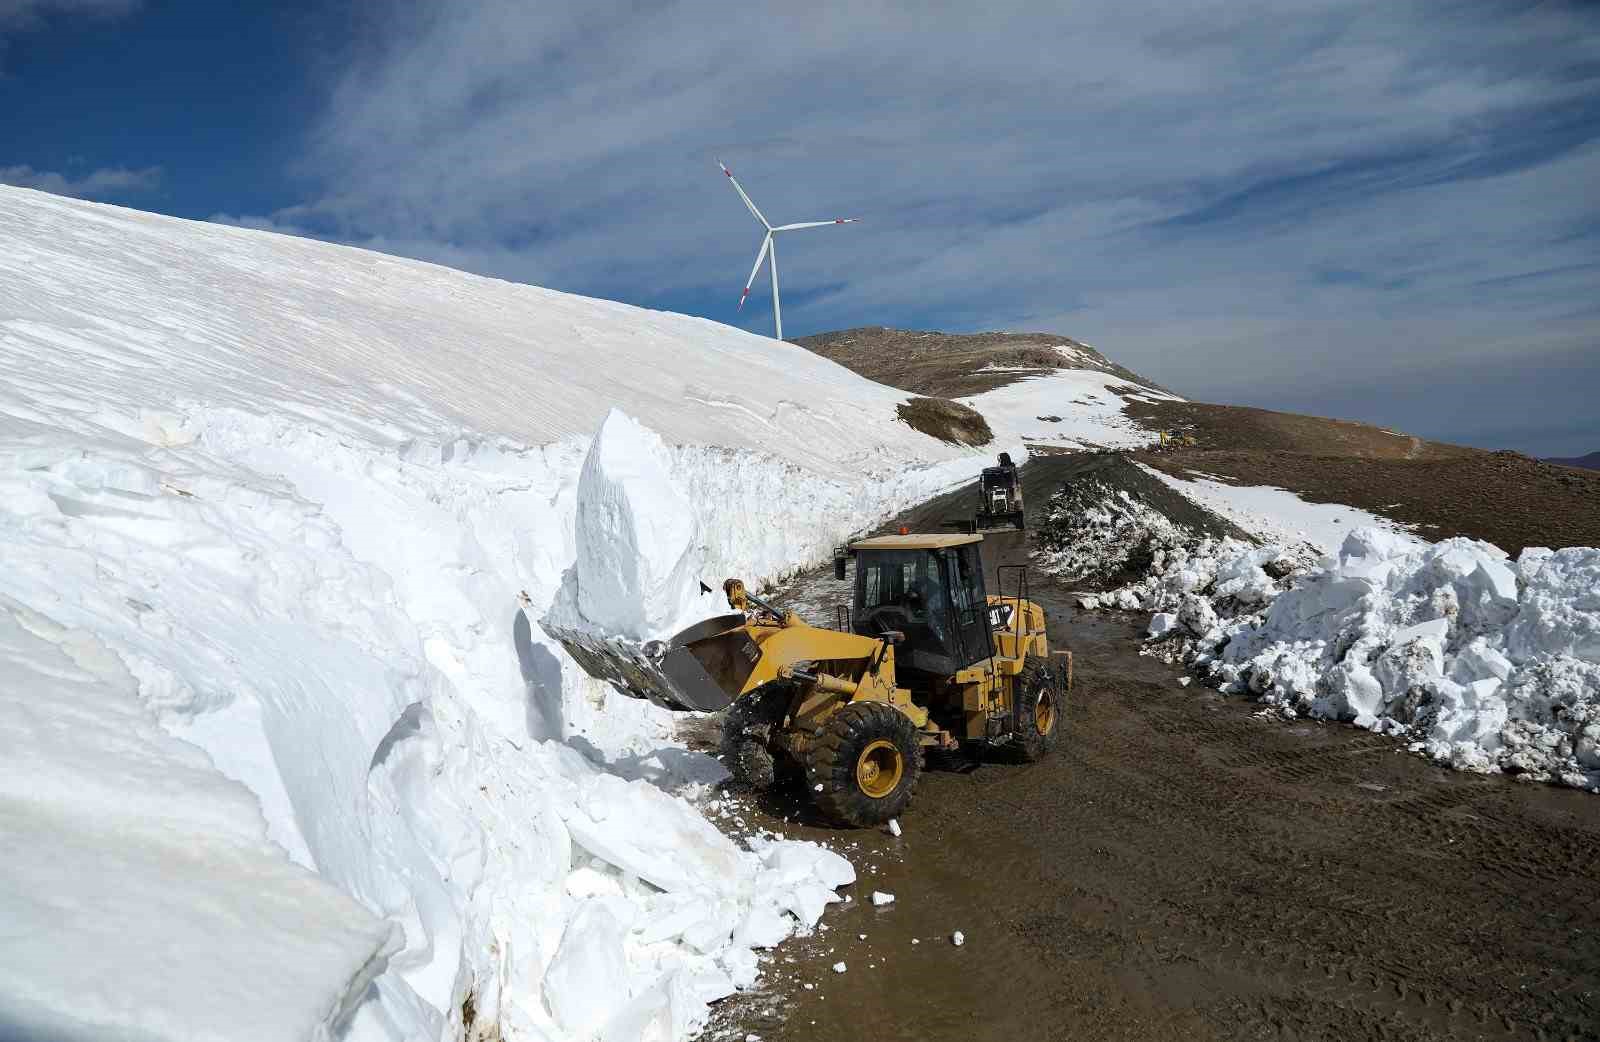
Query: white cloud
[1229,195]
[97,184]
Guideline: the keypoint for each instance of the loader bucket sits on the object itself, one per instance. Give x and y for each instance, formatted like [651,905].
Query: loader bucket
[701,669]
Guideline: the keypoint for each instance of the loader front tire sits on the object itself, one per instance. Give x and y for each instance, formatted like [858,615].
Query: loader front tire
[1039,701]
[746,752]
[863,768]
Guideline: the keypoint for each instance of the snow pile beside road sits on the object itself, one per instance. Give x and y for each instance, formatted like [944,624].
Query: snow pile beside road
[1484,663]
[1480,662]
[296,491]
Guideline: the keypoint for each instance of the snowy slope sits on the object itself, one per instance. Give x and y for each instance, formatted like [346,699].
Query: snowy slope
[296,490]
[1278,515]
[1072,408]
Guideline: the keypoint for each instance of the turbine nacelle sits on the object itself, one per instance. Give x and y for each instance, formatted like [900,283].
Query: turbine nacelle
[769,247]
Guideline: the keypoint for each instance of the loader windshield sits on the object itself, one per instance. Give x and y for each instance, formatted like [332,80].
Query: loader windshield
[933,596]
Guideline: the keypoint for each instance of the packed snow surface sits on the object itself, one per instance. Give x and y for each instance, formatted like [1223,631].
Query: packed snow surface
[1071,408]
[309,503]
[1480,662]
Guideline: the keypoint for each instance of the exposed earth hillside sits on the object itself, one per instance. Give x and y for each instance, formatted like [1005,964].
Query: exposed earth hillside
[1438,489]
[957,365]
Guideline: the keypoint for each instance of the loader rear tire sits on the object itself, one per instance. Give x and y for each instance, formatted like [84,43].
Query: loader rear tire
[863,768]
[1039,705]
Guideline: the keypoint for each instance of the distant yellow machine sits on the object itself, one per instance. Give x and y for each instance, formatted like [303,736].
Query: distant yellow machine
[925,659]
[1179,440]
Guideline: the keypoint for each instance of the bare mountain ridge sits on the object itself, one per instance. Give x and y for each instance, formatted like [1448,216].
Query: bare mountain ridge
[1442,490]
[1589,462]
[956,365]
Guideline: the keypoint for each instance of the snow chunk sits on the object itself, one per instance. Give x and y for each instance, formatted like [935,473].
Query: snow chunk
[580,985]
[638,560]
[879,898]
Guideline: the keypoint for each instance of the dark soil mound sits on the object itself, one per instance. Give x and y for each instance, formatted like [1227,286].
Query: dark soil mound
[1089,476]
[946,420]
[1108,519]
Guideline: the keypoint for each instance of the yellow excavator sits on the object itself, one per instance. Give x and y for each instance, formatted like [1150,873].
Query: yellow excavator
[924,659]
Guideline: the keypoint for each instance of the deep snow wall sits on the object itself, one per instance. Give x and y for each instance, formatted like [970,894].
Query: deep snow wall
[296,491]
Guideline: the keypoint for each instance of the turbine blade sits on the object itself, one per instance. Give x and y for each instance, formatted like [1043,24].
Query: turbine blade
[816,224]
[765,244]
[758,215]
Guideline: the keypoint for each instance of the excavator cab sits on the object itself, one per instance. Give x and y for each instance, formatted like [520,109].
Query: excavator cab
[928,589]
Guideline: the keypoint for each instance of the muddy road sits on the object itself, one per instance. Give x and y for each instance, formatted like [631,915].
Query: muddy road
[1185,869]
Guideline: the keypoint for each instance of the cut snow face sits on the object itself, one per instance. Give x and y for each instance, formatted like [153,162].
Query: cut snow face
[295,491]
[1480,662]
[137,886]
[639,546]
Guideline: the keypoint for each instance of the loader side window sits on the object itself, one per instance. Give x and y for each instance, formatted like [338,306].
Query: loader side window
[970,605]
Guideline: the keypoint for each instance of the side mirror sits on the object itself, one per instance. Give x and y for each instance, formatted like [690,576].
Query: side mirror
[838,568]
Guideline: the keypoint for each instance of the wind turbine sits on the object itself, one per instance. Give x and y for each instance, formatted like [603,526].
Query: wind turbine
[769,246]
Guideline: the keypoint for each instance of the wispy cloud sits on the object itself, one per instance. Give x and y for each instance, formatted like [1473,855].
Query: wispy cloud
[1241,198]
[16,14]
[104,183]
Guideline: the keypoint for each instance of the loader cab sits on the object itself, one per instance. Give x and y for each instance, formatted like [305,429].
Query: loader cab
[930,588]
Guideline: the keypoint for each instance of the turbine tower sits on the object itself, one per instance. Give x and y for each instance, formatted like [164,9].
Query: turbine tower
[769,247]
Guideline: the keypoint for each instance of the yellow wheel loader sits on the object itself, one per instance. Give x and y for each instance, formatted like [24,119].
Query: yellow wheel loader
[924,658]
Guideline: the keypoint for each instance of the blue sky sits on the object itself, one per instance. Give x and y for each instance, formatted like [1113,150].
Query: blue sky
[1385,211]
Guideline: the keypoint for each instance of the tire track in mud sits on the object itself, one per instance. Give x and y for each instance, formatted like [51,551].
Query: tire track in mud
[1184,868]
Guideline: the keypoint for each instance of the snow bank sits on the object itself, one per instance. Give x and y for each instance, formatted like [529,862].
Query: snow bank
[138,888]
[296,491]
[1485,663]
[1480,662]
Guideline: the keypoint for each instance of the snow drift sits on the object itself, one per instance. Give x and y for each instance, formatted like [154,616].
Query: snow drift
[294,492]
[1480,662]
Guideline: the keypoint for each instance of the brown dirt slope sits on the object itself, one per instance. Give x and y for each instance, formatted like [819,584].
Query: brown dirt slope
[951,365]
[1237,427]
[1509,499]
